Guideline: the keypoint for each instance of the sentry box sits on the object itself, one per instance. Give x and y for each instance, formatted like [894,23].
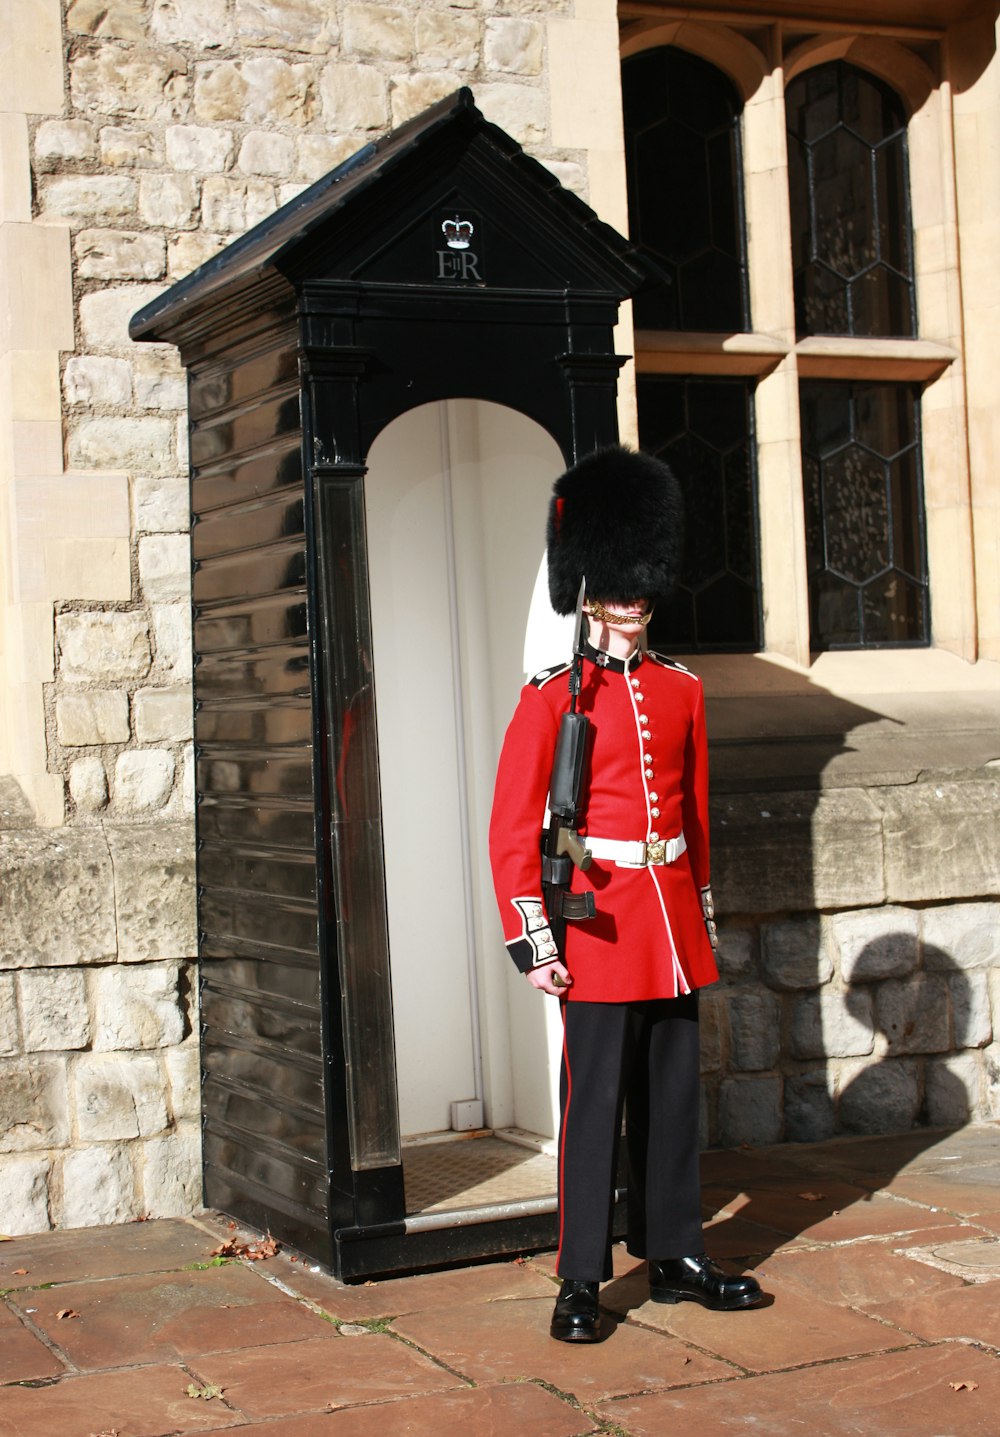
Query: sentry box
[384,378]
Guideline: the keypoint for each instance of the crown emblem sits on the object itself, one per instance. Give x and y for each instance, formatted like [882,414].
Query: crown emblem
[457,233]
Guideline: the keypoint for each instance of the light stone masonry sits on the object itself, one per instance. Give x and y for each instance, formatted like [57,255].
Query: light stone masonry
[446,40]
[88,785]
[354,97]
[168,200]
[171,1172]
[876,943]
[835,1025]
[105,314]
[754,1028]
[185,252]
[264,153]
[24,1193]
[123,19]
[9,1037]
[184,1070]
[128,148]
[381,31]
[514,46]
[65,140]
[118,1096]
[55,1015]
[98,1187]
[102,646]
[88,198]
[142,783]
[970,1008]
[119,254]
[144,444]
[882,1097]
[172,634]
[33,1112]
[795,955]
[199,22]
[161,506]
[154,905]
[59,899]
[97,381]
[137,1007]
[143,82]
[163,715]
[99,716]
[198,147]
[164,567]
[308,26]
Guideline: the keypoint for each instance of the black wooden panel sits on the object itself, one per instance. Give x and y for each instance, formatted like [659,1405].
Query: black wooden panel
[273,619]
[291,824]
[250,575]
[254,721]
[277,466]
[285,671]
[247,526]
[257,870]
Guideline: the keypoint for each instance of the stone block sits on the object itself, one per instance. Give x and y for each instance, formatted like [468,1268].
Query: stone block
[55,1015]
[105,314]
[145,445]
[119,254]
[97,381]
[143,82]
[171,1173]
[138,1006]
[24,1194]
[380,31]
[224,203]
[447,40]
[65,140]
[778,852]
[165,567]
[185,252]
[117,19]
[198,147]
[154,891]
[954,1090]
[309,26]
[796,954]
[9,1040]
[88,197]
[521,110]
[570,175]
[970,1008]
[172,636]
[264,152]
[188,780]
[106,645]
[259,91]
[754,1029]
[734,955]
[914,1014]
[59,905]
[318,154]
[143,780]
[184,1072]
[163,715]
[121,148]
[991,1079]
[100,716]
[963,935]
[98,1187]
[199,22]
[876,943]
[710,1027]
[414,93]
[513,46]
[832,1025]
[161,505]
[88,785]
[168,200]
[881,1097]
[810,1116]
[118,1096]
[750,1111]
[941,840]
[354,97]
[32,1104]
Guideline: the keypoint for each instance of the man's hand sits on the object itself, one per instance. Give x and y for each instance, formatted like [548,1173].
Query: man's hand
[553,978]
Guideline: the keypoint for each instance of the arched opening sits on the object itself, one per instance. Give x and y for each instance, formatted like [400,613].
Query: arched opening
[455,501]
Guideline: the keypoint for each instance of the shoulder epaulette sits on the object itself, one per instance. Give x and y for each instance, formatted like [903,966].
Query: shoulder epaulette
[668,663]
[543,676]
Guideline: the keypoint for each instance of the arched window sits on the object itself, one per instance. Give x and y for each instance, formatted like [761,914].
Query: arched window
[852,253]
[682,151]
[852,246]
[685,177]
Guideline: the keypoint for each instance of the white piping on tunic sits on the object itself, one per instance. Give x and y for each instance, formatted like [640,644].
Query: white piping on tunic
[680,980]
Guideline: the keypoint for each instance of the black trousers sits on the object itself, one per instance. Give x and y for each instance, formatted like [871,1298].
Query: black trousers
[643,1058]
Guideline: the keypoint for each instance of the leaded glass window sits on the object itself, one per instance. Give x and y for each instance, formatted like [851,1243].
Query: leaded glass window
[864,514]
[682,149]
[852,247]
[703,429]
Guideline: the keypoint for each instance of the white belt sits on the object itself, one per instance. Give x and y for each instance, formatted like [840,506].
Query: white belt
[636,854]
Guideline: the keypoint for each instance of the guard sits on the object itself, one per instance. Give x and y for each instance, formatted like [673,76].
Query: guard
[628,976]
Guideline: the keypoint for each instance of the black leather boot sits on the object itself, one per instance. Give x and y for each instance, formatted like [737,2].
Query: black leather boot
[576,1317]
[699,1279]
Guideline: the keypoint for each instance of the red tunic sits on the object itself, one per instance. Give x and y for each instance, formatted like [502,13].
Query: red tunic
[647,779]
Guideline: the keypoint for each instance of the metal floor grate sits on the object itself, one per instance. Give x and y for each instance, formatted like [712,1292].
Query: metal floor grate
[474,1172]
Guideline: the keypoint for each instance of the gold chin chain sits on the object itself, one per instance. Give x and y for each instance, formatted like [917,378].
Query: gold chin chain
[605,616]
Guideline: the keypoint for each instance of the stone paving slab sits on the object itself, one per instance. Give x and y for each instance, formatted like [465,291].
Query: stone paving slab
[843,1276]
[507,1411]
[895,1394]
[147,1405]
[319,1374]
[24,1357]
[509,1341]
[823,1211]
[159,1317]
[970,1312]
[91,1252]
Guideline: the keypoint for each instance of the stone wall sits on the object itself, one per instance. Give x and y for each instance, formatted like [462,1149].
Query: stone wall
[832,1017]
[99,1089]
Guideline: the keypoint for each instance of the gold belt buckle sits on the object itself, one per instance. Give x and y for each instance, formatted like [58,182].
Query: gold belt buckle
[656,852]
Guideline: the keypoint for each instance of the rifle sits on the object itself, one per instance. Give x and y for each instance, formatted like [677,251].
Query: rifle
[561,844]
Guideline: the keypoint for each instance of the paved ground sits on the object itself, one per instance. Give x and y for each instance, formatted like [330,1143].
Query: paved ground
[880,1258]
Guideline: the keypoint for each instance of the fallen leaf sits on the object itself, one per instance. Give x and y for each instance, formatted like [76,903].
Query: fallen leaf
[20,1272]
[65,1312]
[256,1251]
[5,1238]
[813,1197]
[960,1386]
[206,1392]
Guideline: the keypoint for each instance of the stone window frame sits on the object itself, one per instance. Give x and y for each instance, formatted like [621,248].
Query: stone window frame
[770,352]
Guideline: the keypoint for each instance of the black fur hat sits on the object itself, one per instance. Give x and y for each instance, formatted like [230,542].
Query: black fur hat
[618,518]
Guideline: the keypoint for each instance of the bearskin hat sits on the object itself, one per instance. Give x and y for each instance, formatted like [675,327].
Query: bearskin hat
[616,517]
